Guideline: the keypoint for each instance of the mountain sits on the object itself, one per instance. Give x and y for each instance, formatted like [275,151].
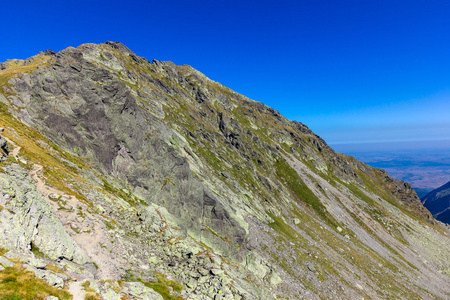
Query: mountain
[438,203]
[422,192]
[129,179]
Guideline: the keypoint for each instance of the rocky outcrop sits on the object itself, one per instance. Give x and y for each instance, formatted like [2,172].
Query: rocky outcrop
[27,222]
[108,124]
[4,148]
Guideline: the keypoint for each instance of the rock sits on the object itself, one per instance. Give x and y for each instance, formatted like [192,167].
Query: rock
[311,267]
[192,283]
[203,271]
[36,262]
[275,279]
[50,52]
[225,280]
[217,272]
[209,290]
[42,229]
[296,221]
[53,196]
[202,279]
[100,208]
[12,254]
[193,274]
[140,291]
[4,149]
[339,229]
[6,262]
[154,260]
[110,294]
[50,277]
[52,298]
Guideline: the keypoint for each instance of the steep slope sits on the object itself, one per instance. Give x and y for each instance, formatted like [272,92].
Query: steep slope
[161,175]
[438,203]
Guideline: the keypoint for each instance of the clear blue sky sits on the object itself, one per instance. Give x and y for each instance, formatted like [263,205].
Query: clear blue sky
[353,71]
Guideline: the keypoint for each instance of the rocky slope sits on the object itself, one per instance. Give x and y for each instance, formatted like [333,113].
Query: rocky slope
[438,203]
[131,177]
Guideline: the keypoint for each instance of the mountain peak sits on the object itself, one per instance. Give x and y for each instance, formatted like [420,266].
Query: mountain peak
[154,173]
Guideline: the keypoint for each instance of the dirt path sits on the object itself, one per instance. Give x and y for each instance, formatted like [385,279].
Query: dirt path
[90,229]
[77,290]
[87,229]
[45,190]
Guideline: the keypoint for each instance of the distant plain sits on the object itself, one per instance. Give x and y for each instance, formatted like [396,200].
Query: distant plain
[426,166]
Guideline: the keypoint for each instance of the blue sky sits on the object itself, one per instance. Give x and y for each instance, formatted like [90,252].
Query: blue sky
[353,71]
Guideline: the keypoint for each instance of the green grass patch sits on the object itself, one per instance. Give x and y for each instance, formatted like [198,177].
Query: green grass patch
[161,286]
[19,283]
[3,251]
[300,190]
[91,296]
[87,286]
[127,197]
[36,251]
[282,228]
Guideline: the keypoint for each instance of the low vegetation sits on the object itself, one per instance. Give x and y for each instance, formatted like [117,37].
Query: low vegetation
[16,283]
[162,286]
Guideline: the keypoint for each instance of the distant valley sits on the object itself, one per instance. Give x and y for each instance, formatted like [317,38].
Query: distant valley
[425,169]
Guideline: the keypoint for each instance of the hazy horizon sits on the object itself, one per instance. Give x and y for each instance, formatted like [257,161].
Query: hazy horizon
[424,164]
[390,146]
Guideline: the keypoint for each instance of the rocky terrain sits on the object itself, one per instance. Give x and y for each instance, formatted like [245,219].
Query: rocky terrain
[438,203]
[123,178]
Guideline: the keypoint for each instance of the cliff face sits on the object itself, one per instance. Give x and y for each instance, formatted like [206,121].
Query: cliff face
[159,173]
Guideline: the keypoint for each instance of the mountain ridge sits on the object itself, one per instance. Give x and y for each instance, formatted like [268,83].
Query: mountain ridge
[158,152]
[438,203]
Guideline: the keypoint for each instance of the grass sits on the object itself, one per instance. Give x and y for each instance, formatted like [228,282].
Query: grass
[56,170]
[300,190]
[16,283]
[87,286]
[162,285]
[3,251]
[127,197]
[91,296]
[281,227]
[17,67]
[36,250]
[54,268]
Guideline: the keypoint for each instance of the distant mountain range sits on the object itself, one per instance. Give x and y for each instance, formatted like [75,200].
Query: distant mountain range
[438,203]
